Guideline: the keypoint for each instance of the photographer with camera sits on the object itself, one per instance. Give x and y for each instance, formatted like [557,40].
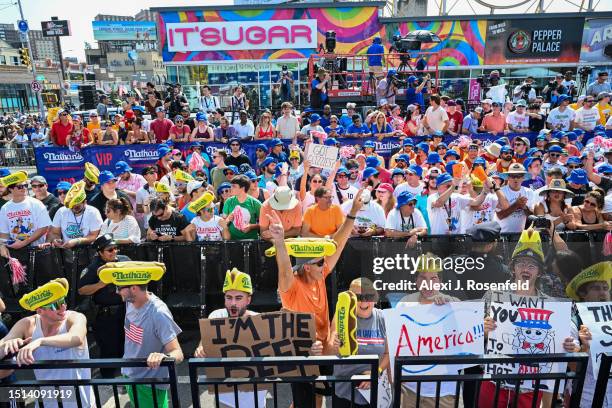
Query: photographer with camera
[525,90]
[497,92]
[553,90]
[285,80]
[415,91]
[600,85]
[570,84]
[318,89]
[175,101]
[387,88]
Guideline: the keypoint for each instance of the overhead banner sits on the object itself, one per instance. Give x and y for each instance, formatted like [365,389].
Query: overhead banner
[597,316]
[124,30]
[528,325]
[434,330]
[531,41]
[597,41]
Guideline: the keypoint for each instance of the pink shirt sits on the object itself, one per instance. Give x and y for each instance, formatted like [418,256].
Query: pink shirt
[182,133]
[133,184]
[494,124]
[161,129]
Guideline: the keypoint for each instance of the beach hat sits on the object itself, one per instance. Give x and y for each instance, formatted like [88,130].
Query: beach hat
[283,198]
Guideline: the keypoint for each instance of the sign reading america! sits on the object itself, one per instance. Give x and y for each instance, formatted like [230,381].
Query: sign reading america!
[241,35]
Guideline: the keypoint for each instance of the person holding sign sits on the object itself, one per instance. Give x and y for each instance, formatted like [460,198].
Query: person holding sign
[150,330]
[371,339]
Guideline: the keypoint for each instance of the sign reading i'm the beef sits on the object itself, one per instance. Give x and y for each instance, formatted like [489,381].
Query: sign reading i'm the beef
[533,41]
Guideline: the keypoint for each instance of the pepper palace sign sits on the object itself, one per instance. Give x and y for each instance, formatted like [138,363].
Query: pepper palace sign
[241,35]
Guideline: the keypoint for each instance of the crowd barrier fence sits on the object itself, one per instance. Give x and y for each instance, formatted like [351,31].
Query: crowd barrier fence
[603,378]
[17,157]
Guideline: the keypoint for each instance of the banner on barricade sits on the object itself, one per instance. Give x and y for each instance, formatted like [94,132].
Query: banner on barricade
[322,156]
[264,335]
[434,330]
[597,316]
[528,325]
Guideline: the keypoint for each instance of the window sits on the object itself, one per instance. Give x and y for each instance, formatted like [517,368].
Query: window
[3,59]
[15,60]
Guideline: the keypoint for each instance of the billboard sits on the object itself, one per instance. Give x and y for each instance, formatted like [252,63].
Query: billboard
[55,28]
[597,41]
[124,30]
[533,41]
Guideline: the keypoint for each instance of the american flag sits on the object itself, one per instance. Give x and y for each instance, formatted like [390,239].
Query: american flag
[134,333]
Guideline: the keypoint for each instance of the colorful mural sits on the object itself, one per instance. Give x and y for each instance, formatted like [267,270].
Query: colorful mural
[355,28]
[463,42]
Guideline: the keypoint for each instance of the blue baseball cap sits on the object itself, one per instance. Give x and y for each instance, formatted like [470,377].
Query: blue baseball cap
[162,151]
[372,161]
[223,186]
[343,170]
[138,108]
[234,139]
[391,72]
[578,132]
[408,142]
[4,172]
[369,143]
[530,160]
[331,141]
[574,160]
[267,161]
[314,117]
[169,142]
[540,137]
[555,149]
[479,161]
[452,152]
[443,179]
[422,146]
[404,198]
[506,149]
[122,167]
[276,142]
[599,128]
[369,172]
[244,168]
[502,141]
[403,157]
[231,168]
[397,172]
[604,169]
[578,176]
[105,177]
[261,146]
[201,117]
[443,145]
[251,175]
[562,97]
[416,169]
[433,158]
[411,79]
[533,150]
[63,186]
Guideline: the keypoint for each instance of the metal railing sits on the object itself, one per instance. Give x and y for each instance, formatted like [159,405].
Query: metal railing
[601,386]
[69,391]
[17,157]
[516,379]
[273,382]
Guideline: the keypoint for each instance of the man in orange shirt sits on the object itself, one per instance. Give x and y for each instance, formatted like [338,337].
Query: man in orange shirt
[302,288]
[323,218]
[289,210]
[494,122]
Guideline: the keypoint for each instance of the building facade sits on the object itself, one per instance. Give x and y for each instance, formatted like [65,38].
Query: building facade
[43,48]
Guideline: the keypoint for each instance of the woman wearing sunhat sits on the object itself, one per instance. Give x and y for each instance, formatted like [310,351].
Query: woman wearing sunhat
[554,207]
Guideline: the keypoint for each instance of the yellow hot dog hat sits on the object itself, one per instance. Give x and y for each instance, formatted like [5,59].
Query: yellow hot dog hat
[601,271]
[180,175]
[307,247]
[92,173]
[161,187]
[202,202]
[14,178]
[236,280]
[131,272]
[45,294]
[529,245]
[76,194]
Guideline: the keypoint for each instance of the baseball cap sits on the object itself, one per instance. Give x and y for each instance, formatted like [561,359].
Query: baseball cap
[404,198]
[397,172]
[416,169]
[106,176]
[372,161]
[369,172]
[122,167]
[39,179]
[314,117]
[193,185]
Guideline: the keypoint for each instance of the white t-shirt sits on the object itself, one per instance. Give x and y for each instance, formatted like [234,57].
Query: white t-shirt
[287,127]
[587,118]
[407,187]
[142,196]
[208,230]
[347,194]
[125,229]
[515,222]
[556,118]
[396,222]
[246,130]
[517,121]
[77,226]
[498,93]
[370,214]
[436,118]
[484,213]
[21,220]
[308,128]
[445,220]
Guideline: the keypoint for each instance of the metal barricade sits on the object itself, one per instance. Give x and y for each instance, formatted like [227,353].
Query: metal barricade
[48,392]
[601,386]
[17,157]
[257,383]
[462,378]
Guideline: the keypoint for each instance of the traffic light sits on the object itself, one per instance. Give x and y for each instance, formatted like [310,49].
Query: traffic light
[24,56]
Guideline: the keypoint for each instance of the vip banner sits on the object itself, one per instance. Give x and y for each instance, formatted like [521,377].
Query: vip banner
[434,330]
[597,316]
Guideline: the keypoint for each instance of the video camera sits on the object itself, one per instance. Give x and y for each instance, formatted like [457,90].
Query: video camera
[585,71]
[487,81]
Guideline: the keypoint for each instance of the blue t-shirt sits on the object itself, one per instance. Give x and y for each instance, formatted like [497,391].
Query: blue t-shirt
[315,82]
[346,121]
[358,129]
[281,157]
[324,122]
[413,97]
[375,60]
[339,130]
[387,129]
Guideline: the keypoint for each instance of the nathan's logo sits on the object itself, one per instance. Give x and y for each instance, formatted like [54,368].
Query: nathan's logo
[39,297]
[140,154]
[341,323]
[120,277]
[519,42]
[302,249]
[63,157]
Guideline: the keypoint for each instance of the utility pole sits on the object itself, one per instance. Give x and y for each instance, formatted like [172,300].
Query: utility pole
[61,62]
[38,95]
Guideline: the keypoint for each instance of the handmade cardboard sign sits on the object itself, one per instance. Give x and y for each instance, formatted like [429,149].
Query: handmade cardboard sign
[528,325]
[263,335]
[597,316]
[322,156]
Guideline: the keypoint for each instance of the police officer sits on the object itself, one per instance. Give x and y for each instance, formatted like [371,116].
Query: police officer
[108,324]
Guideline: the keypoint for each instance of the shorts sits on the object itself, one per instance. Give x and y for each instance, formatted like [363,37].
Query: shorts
[145,396]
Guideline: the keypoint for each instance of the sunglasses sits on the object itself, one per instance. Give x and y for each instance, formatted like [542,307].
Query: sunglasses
[229,173]
[320,262]
[64,114]
[411,204]
[235,144]
[594,204]
[554,155]
[342,176]
[316,181]
[37,185]
[515,176]
[224,191]
[111,249]
[55,305]
[571,167]
[150,173]
[21,186]
[59,193]
[366,298]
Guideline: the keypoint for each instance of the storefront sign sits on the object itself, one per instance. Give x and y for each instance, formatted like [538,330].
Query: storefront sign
[241,35]
[596,39]
[533,41]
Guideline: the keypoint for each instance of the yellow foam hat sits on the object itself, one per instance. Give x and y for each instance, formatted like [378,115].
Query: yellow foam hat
[202,202]
[236,280]
[76,194]
[45,294]
[307,247]
[429,263]
[601,271]
[14,178]
[529,244]
[161,187]
[131,272]
[181,175]
[92,173]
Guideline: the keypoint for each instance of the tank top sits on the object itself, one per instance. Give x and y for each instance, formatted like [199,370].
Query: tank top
[55,353]
[583,221]
[266,134]
[106,136]
[202,135]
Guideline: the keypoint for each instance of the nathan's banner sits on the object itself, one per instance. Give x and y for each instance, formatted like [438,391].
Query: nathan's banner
[533,41]
[528,325]
[597,316]
[264,335]
[322,156]
[434,330]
